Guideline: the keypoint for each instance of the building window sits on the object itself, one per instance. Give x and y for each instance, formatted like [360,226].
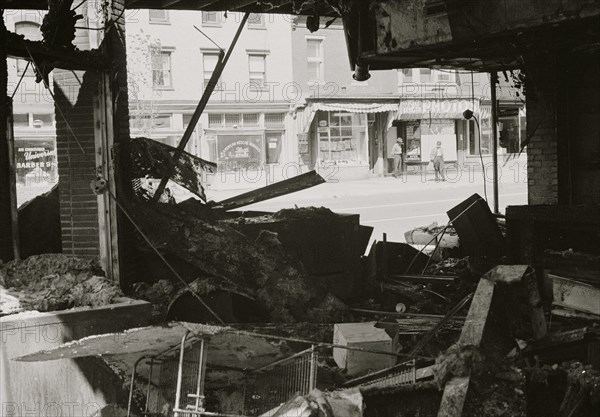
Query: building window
[342,137]
[475,144]
[149,122]
[21,120]
[233,120]
[158,16]
[425,75]
[211,19]
[161,70]
[314,58]
[407,75]
[256,21]
[31,31]
[250,119]
[257,65]
[445,76]
[209,63]
[43,120]
[274,120]
[215,120]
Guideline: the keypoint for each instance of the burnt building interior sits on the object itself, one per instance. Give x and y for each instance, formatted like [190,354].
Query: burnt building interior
[197,309]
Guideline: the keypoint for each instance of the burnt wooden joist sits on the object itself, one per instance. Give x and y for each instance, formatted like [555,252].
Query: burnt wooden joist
[64,58]
[291,185]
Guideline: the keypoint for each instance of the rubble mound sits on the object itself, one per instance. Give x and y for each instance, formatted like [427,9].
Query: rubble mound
[218,252]
[56,282]
[303,213]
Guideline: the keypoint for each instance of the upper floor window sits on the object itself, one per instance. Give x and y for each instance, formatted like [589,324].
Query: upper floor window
[161,70]
[158,16]
[257,65]
[425,75]
[209,63]
[256,21]
[314,57]
[446,76]
[407,75]
[274,120]
[211,19]
[31,31]
[235,120]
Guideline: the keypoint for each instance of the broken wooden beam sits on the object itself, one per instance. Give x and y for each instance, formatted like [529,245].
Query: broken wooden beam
[291,185]
[455,391]
[69,59]
[518,286]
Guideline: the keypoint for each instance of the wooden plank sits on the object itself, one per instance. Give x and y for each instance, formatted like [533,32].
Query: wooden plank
[472,332]
[455,391]
[455,394]
[291,185]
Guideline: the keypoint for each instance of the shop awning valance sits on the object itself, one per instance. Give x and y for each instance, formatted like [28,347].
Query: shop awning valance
[356,107]
[311,109]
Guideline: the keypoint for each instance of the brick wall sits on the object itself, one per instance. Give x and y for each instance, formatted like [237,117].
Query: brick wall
[542,150]
[78,204]
[75,93]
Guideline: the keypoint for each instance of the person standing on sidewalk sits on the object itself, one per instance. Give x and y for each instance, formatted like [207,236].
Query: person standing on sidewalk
[437,158]
[399,164]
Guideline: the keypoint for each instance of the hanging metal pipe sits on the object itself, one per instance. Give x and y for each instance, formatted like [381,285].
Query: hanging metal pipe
[493,82]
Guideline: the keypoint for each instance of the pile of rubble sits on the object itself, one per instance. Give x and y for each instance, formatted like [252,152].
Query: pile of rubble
[56,282]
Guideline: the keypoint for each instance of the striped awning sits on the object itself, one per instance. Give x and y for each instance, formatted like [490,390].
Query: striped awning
[356,107]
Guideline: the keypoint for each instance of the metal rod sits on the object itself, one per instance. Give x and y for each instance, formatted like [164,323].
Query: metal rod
[200,374]
[280,361]
[313,369]
[493,82]
[149,383]
[132,384]
[208,90]
[421,343]
[323,344]
[404,315]
[176,409]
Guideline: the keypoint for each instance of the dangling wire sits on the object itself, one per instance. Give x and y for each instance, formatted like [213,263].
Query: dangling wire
[20,79]
[160,255]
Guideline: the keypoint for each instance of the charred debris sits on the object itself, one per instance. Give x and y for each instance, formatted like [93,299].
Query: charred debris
[452,328]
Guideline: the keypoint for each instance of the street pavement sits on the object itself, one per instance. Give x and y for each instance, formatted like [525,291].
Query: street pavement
[390,205]
[394,206]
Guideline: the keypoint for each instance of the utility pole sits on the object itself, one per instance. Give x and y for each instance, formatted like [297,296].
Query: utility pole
[494,82]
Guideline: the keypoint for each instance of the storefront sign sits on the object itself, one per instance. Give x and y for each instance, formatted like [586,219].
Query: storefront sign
[435,109]
[35,160]
[239,151]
